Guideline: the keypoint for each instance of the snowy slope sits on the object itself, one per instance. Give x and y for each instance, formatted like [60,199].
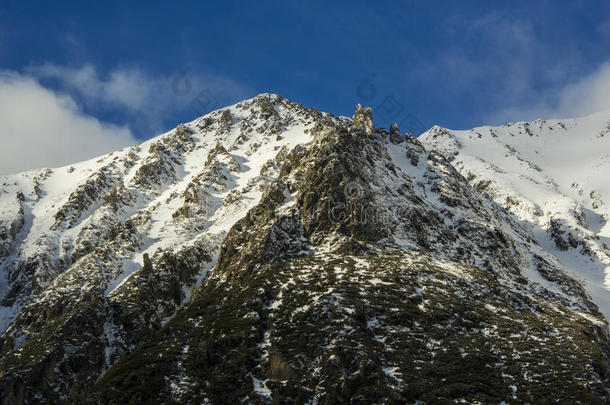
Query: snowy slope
[553,175]
[52,217]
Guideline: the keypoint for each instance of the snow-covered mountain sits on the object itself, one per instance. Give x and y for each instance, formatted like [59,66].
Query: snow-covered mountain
[173,189]
[554,175]
[268,252]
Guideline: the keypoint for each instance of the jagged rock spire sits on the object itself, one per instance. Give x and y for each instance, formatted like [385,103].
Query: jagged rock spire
[363,119]
[395,135]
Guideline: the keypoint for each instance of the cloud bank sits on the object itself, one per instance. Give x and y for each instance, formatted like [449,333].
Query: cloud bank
[148,100]
[590,94]
[580,98]
[41,128]
[501,66]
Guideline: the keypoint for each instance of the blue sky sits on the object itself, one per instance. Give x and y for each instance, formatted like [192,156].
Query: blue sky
[127,71]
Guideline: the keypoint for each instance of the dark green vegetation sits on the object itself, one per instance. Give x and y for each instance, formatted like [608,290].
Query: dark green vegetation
[390,328]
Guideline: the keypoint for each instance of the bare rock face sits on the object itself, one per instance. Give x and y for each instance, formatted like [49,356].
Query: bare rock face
[395,135]
[226,119]
[271,253]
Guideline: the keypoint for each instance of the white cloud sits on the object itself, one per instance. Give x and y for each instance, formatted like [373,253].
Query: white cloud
[585,96]
[129,88]
[40,128]
[589,95]
[525,78]
[148,99]
[501,66]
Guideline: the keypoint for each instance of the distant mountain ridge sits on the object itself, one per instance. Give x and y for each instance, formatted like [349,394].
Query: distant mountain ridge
[553,175]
